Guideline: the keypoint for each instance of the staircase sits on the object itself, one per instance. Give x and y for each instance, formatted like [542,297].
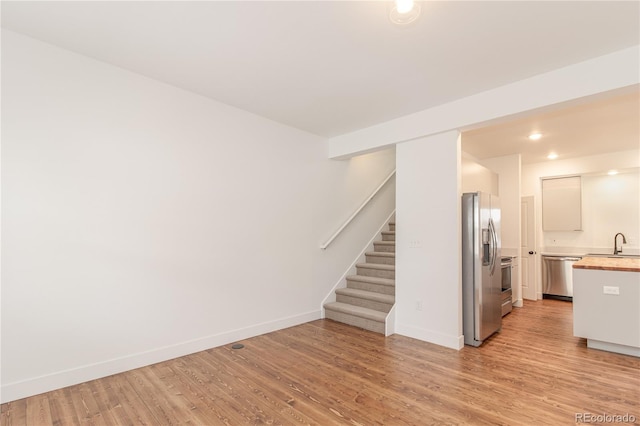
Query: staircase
[370,294]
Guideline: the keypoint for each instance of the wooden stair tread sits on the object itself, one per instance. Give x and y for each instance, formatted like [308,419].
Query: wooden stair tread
[381,253]
[372,280]
[359,311]
[377,266]
[369,295]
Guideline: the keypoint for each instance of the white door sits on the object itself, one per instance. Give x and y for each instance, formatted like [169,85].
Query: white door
[528,245]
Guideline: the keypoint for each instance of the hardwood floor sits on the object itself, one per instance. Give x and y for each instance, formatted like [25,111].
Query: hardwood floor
[532,373]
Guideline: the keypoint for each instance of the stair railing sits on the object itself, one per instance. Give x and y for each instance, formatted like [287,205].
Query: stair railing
[362,206]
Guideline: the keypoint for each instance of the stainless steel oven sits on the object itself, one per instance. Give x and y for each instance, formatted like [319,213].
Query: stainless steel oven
[507,291]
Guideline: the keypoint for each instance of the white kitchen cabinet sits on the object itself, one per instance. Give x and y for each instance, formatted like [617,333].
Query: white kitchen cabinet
[478,178]
[562,204]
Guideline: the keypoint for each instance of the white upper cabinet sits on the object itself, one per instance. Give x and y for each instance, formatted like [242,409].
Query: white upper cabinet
[478,178]
[562,204]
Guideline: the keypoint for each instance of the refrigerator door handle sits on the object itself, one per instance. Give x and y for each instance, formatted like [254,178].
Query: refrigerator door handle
[491,259]
[494,246]
[495,265]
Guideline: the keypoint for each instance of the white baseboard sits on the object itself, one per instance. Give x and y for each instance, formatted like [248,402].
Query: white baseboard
[613,347]
[518,303]
[430,336]
[61,379]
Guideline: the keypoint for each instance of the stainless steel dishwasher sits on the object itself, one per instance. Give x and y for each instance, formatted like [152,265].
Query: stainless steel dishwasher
[557,276]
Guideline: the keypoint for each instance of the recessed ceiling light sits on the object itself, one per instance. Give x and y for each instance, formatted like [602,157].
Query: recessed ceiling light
[552,156]
[404,6]
[535,136]
[404,12]
[612,172]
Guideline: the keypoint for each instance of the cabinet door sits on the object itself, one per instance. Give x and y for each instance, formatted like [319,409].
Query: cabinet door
[562,204]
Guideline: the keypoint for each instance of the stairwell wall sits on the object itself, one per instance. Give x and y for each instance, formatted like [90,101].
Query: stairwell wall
[142,222]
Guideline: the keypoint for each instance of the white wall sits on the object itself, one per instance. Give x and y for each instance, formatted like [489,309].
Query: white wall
[428,252]
[531,173]
[141,222]
[610,203]
[509,173]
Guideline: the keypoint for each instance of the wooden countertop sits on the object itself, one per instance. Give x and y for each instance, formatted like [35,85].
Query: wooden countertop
[609,264]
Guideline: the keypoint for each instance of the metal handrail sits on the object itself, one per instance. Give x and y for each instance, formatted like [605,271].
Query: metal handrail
[348,221]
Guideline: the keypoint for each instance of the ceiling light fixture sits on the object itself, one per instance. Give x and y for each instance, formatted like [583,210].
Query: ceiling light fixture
[552,156]
[404,12]
[612,172]
[535,136]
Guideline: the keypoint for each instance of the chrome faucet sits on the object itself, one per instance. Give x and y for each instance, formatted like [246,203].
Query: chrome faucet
[615,243]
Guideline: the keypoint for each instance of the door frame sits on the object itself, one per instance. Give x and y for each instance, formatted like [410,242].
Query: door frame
[528,262]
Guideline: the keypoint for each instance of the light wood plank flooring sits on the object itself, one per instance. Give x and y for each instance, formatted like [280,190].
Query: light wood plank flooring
[533,373]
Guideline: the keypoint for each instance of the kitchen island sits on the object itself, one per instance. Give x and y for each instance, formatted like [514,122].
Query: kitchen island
[606,303]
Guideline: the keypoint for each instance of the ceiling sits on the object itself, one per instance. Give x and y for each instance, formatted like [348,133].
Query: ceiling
[604,125]
[332,67]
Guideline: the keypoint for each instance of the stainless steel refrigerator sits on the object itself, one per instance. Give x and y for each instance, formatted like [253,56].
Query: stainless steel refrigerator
[481,272]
